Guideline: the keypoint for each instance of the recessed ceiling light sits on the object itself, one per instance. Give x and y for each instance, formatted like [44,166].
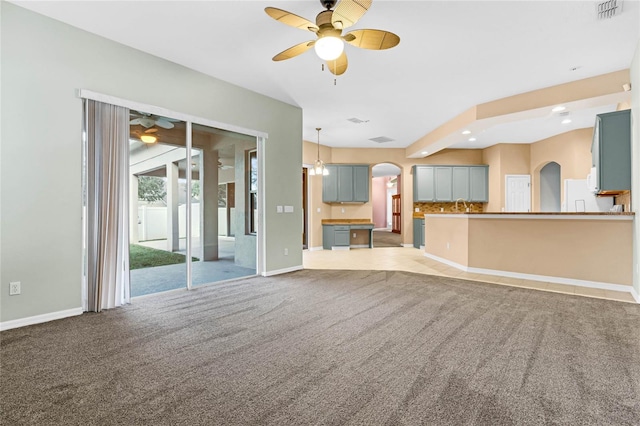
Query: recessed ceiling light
[558,108]
[472,139]
[566,121]
[424,152]
[466,132]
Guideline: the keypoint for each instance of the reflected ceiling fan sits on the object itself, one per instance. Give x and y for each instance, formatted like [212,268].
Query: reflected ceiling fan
[147,120]
[329,45]
[149,136]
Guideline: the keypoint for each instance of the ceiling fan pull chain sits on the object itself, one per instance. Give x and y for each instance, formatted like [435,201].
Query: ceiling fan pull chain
[322,67]
[335,81]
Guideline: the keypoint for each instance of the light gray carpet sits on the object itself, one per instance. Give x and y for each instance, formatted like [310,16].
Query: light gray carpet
[386,239]
[331,348]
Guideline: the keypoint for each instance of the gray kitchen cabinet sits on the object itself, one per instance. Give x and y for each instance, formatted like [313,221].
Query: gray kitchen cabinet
[448,183]
[611,152]
[479,183]
[444,190]
[418,233]
[330,185]
[346,183]
[340,235]
[423,184]
[327,237]
[460,182]
[361,183]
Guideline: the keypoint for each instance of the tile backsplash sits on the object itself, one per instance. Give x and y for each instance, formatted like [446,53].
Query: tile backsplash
[624,199]
[448,207]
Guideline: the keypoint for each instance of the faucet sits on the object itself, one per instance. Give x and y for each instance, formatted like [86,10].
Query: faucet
[463,202]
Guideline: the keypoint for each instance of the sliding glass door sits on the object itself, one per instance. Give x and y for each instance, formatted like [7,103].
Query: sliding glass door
[158,197]
[193,202]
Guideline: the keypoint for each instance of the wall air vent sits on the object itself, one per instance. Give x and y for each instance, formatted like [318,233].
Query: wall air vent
[608,9]
[357,120]
[381,139]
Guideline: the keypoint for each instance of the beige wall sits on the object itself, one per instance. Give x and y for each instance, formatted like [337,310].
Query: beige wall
[577,249]
[571,150]
[635,162]
[504,159]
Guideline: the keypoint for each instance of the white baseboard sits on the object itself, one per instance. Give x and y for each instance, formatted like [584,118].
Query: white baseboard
[282,271]
[38,319]
[360,246]
[315,248]
[407,245]
[544,278]
[341,248]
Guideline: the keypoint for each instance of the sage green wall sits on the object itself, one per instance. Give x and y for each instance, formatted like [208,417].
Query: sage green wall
[43,63]
[635,163]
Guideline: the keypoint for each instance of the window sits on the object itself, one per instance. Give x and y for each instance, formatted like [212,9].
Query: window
[252,192]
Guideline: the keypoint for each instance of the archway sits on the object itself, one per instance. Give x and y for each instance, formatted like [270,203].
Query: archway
[550,192]
[386,202]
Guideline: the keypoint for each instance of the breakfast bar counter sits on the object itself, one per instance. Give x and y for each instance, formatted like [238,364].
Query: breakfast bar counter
[587,249]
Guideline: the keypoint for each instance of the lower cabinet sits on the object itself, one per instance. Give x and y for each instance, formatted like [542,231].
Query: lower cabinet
[340,235]
[418,233]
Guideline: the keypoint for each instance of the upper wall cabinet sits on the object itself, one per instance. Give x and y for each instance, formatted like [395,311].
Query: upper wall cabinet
[346,183]
[449,183]
[611,152]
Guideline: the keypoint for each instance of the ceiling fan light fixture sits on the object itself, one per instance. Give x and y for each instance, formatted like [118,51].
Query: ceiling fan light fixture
[148,138]
[329,48]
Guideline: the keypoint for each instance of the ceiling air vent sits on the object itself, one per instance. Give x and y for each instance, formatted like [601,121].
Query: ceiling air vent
[381,139]
[357,120]
[608,9]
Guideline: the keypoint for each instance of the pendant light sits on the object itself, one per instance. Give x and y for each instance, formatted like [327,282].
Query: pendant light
[318,168]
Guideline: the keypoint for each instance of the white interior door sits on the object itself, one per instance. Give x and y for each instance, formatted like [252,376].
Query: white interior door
[518,193]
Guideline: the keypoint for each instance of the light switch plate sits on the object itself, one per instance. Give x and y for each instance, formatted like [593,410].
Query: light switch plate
[279,209]
[288,209]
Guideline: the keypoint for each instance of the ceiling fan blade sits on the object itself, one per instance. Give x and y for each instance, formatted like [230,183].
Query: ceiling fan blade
[291,19]
[338,66]
[135,121]
[165,124]
[294,51]
[372,39]
[348,12]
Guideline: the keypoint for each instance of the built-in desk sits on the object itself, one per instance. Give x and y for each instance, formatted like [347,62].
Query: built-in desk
[338,234]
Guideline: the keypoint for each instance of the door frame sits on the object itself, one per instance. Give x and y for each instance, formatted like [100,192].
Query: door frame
[506,189]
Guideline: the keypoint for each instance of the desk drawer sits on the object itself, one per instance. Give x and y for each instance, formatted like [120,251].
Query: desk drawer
[341,227]
[361,226]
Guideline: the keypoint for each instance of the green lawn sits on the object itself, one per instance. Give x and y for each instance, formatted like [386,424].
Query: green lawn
[145,257]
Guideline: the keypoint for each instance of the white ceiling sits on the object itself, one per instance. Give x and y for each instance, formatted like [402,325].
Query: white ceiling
[452,55]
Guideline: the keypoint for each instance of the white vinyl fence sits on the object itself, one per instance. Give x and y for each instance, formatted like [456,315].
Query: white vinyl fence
[152,222]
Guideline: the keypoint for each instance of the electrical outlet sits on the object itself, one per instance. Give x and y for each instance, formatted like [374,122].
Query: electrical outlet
[14,288]
[354,235]
[447,246]
[286,252]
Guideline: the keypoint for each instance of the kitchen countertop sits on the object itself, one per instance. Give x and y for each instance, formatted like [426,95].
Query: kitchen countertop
[347,222]
[421,215]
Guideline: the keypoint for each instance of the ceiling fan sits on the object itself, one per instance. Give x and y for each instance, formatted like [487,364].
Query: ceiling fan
[328,28]
[147,120]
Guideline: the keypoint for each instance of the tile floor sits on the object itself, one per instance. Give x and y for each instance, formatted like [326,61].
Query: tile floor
[413,260]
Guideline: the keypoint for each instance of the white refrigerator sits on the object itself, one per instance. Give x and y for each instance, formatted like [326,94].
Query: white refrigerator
[578,198]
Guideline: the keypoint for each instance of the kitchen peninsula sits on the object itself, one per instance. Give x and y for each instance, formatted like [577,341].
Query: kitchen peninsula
[584,249]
